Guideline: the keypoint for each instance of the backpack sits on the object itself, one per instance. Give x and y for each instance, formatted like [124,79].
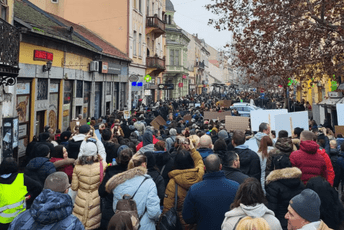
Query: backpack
[127,204]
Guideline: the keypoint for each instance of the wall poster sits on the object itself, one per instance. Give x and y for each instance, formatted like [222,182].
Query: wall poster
[53,110]
[23,108]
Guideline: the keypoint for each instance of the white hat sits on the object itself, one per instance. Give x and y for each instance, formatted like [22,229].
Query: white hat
[90,149]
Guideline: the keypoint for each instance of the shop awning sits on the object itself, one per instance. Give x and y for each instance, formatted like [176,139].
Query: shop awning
[330,102]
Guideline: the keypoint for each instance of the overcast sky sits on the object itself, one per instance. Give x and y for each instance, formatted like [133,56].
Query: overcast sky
[192,16]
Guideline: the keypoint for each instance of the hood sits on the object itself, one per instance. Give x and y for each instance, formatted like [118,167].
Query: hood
[284,144]
[43,137]
[79,137]
[205,152]
[185,178]
[259,137]
[310,147]
[36,163]
[256,211]
[334,152]
[286,173]
[147,138]
[123,177]
[51,207]
[243,146]
[147,148]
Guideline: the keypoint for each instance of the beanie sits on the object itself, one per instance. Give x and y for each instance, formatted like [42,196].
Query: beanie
[223,134]
[84,129]
[307,205]
[173,132]
[90,149]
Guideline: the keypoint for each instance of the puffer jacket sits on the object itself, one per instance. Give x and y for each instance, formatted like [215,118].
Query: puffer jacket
[249,161]
[330,171]
[86,181]
[146,197]
[281,186]
[39,168]
[184,179]
[257,211]
[310,162]
[50,210]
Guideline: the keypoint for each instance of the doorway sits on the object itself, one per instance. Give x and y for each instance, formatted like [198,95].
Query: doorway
[40,117]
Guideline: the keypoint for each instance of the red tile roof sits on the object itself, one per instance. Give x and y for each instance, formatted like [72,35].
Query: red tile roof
[92,37]
[215,62]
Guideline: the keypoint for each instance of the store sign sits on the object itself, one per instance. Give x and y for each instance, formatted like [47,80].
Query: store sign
[166,86]
[40,55]
[109,68]
[180,85]
[133,78]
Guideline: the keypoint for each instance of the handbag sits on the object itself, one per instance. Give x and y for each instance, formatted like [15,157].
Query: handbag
[170,220]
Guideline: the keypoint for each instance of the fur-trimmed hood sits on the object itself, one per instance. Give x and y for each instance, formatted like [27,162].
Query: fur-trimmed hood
[123,177]
[286,173]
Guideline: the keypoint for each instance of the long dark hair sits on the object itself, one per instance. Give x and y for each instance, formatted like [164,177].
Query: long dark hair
[183,160]
[57,152]
[263,147]
[249,193]
[331,209]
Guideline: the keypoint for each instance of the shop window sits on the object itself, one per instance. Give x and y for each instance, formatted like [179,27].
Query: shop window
[134,42]
[108,88]
[79,89]
[42,89]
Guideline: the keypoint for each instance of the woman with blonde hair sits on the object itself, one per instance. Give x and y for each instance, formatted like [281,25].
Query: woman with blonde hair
[87,176]
[249,223]
[138,184]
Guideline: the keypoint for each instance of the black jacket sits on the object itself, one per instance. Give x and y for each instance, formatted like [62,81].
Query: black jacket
[107,199]
[281,186]
[159,182]
[73,147]
[165,159]
[249,162]
[111,150]
[234,174]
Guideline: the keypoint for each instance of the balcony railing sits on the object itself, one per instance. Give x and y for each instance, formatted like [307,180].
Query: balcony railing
[155,24]
[9,53]
[155,62]
[200,64]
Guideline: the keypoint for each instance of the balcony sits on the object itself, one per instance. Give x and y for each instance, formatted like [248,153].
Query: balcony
[155,25]
[155,65]
[200,65]
[9,53]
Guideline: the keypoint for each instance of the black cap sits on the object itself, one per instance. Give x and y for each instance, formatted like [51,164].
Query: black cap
[84,129]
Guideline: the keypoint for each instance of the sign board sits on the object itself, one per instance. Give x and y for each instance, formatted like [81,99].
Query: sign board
[298,119]
[166,86]
[109,68]
[260,116]
[224,103]
[340,114]
[157,122]
[81,122]
[217,115]
[126,114]
[187,117]
[147,92]
[133,78]
[339,129]
[237,123]
[197,105]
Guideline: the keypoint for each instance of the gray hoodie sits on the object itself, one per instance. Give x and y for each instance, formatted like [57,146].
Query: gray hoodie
[259,210]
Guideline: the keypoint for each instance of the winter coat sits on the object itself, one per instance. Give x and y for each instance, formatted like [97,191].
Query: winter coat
[339,143]
[147,148]
[159,182]
[169,142]
[50,210]
[338,164]
[140,145]
[310,162]
[205,152]
[67,167]
[249,161]
[39,168]
[140,126]
[281,186]
[111,150]
[86,181]
[317,225]
[146,197]
[207,201]
[234,174]
[73,147]
[165,163]
[107,210]
[259,210]
[184,179]
[100,149]
[330,171]
[214,138]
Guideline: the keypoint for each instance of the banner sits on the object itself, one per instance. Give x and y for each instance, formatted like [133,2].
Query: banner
[290,121]
[340,114]
[237,123]
[81,122]
[224,103]
[339,129]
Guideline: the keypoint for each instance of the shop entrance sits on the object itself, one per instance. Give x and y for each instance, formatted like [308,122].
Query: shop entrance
[40,116]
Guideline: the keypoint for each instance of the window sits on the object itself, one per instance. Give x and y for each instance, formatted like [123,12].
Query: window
[140,41]
[135,4]
[158,12]
[4,9]
[152,9]
[147,13]
[169,19]
[42,89]
[140,6]
[108,88]
[79,89]
[172,57]
[134,43]
[176,57]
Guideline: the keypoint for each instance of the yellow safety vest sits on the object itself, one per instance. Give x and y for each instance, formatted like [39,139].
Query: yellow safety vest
[12,199]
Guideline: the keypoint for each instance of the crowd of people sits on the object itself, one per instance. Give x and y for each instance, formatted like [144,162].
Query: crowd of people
[117,173]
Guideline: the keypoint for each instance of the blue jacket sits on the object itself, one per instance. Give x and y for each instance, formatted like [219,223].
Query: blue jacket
[207,201]
[50,210]
[39,168]
[205,152]
[146,198]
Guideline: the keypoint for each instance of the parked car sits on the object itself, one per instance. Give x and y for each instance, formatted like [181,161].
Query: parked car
[244,109]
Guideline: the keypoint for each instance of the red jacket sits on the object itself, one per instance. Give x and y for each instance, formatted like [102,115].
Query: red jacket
[330,171]
[309,161]
[141,143]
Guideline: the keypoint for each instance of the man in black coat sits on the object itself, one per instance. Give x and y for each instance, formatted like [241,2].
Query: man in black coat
[110,147]
[73,147]
[249,160]
[231,167]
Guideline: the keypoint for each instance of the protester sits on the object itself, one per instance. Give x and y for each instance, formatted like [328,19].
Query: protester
[207,201]
[220,148]
[264,130]
[148,145]
[307,159]
[223,134]
[110,147]
[325,155]
[304,211]
[249,201]
[249,160]
[52,209]
[170,141]
[87,176]
[265,143]
[140,186]
[59,157]
[73,147]
[231,167]
[121,221]
[340,166]
[91,137]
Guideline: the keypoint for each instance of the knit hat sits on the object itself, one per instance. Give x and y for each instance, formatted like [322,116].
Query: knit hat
[223,134]
[122,147]
[90,149]
[41,150]
[205,141]
[307,205]
[173,132]
[84,129]
[57,182]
